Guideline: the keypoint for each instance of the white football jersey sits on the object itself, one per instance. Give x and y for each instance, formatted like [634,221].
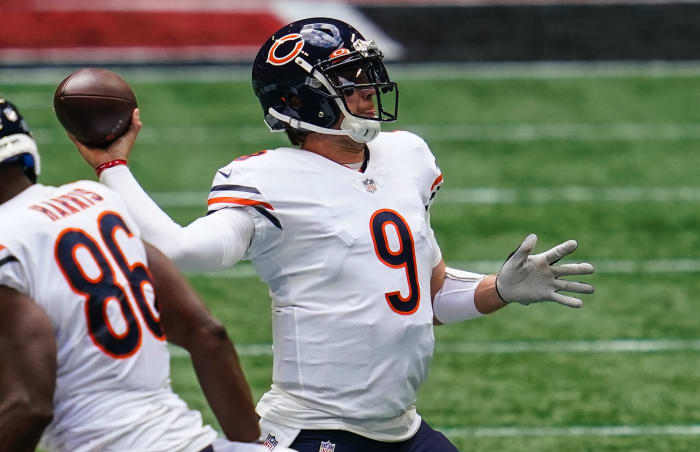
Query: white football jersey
[348,258]
[75,250]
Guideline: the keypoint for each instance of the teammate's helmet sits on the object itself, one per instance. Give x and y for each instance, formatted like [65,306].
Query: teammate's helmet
[16,142]
[303,72]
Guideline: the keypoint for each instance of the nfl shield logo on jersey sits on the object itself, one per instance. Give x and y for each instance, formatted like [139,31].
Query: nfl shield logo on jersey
[270,441]
[326,446]
[369,184]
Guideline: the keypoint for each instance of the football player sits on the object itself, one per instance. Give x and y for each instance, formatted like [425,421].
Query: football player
[338,228]
[85,307]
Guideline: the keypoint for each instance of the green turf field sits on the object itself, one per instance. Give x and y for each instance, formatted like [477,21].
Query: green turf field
[611,161]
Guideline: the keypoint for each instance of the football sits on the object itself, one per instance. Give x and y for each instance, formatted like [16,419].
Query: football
[94,105]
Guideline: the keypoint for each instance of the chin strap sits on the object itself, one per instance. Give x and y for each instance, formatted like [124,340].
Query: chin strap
[360,130]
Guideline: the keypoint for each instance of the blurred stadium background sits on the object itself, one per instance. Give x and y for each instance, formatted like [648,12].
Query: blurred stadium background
[570,119]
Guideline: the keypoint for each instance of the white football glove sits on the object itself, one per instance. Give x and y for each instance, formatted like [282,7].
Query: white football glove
[529,279]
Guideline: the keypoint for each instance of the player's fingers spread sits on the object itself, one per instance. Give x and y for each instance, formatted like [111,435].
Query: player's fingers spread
[526,247]
[573,286]
[559,251]
[566,300]
[572,269]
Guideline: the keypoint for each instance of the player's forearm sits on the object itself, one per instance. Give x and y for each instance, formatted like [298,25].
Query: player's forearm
[23,420]
[224,384]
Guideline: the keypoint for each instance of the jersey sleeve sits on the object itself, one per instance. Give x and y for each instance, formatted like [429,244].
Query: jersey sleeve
[241,185]
[419,161]
[199,246]
[434,175]
[11,271]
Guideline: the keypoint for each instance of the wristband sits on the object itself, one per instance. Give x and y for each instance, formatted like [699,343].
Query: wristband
[110,164]
[499,293]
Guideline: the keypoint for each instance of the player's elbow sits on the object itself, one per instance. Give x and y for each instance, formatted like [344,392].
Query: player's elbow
[214,333]
[31,413]
[207,334]
[40,416]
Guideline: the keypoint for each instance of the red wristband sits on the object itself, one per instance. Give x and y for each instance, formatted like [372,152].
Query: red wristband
[109,164]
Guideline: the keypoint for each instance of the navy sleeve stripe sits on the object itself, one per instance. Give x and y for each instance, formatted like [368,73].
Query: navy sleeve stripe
[7,260]
[273,219]
[235,188]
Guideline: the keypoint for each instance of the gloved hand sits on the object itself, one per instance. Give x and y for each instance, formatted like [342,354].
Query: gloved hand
[529,279]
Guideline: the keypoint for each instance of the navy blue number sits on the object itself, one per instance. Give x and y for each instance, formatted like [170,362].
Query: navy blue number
[404,258]
[137,274]
[98,292]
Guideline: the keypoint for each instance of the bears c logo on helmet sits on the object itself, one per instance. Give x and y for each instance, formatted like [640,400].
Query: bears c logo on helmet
[276,60]
[339,52]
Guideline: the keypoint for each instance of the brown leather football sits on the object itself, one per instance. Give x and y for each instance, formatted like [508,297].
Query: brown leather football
[94,105]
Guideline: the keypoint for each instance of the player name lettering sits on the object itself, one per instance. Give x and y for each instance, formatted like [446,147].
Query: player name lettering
[68,204]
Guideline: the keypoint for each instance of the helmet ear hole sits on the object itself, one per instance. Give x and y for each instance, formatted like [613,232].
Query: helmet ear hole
[293,101]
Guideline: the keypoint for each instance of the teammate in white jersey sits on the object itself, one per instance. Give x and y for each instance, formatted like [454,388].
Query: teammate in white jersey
[82,337]
[339,230]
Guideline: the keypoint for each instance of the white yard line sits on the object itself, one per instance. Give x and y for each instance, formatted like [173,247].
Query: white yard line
[525,132]
[433,133]
[606,430]
[603,266]
[518,347]
[439,71]
[490,196]
[611,346]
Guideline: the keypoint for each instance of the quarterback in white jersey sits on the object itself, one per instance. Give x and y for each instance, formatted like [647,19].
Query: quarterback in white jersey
[339,230]
[348,257]
[74,270]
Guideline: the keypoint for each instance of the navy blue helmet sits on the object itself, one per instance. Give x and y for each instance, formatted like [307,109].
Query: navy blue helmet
[303,72]
[16,142]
